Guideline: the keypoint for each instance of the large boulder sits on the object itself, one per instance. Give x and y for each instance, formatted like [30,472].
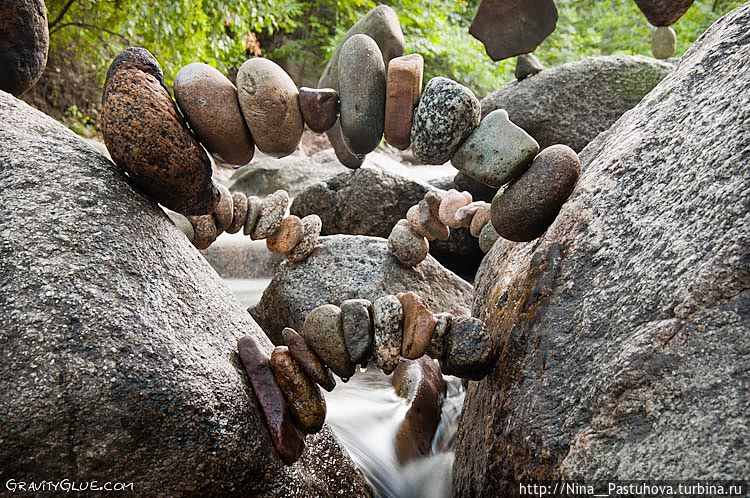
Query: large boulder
[572,103]
[348,267]
[623,341]
[119,341]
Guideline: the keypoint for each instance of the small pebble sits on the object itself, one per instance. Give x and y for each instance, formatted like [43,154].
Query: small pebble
[387,317]
[320,107]
[487,237]
[303,397]
[403,88]
[287,236]
[419,324]
[205,230]
[312,225]
[308,360]
[453,200]
[239,212]
[528,65]
[469,352]
[224,210]
[436,350]
[324,333]
[406,245]
[429,216]
[356,319]
[664,42]
[272,210]
[481,217]
[253,211]
[465,215]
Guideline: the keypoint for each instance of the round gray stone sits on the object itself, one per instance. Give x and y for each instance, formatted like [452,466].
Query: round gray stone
[406,245]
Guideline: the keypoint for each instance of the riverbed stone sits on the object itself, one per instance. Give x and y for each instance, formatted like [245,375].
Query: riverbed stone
[529,205]
[308,360]
[465,215]
[224,210]
[269,100]
[387,318]
[239,212]
[487,237]
[497,151]
[303,397]
[148,138]
[362,94]
[319,107]
[356,320]
[527,65]
[452,201]
[481,217]
[403,89]
[447,113]
[24,39]
[253,211]
[287,439]
[418,326]
[407,245]
[271,213]
[204,227]
[664,42]
[209,102]
[287,236]
[311,226]
[324,333]
[468,349]
[663,12]
[437,347]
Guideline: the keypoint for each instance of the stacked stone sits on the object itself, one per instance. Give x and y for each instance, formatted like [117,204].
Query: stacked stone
[663,14]
[335,339]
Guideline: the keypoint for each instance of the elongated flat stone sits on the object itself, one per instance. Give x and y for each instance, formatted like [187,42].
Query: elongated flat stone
[311,225]
[356,319]
[387,317]
[303,397]
[324,333]
[437,347]
[403,88]
[239,212]
[271,213]
[287,439]
[468,349]
[320,107]
[224,209]
[481,217]
[253,211]
[419,324]
[308,360]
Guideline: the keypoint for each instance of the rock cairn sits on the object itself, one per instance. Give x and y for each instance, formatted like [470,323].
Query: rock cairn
[335,339]
[663,14]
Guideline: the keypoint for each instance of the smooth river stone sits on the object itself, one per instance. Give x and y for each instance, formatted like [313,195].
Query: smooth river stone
[513,27]
[253,211]
[287,439]
[453,200]
[224,209]
[204,227]
[529,205]
[269,100]
[148,138]
[324,333]
[308,360]
[311,225]
[436,350]
[343,154]
[663,12]
[403,88]
[664,42]
[239,212]
[24,42]
[468,349]
[465,215]
[183,224]
[319,107]
[271,213]
[481,217]
[487,237]
[406,245]
[303,397]
[419,324]
[447,113]
[527,65]
[287,236]
[496,152]
[362,93]
[209,102]
[356,319]
[387,317]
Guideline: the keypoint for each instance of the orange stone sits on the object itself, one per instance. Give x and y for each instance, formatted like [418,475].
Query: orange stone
[403,88]
[419,324]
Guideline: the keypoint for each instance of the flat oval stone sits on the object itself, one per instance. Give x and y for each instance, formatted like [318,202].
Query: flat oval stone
[487,237]
[343,154]
[311,225]
[147,137]
[239,212]
[480,219]
[527,65]
[362,93]
[253,211]
[287,439]
[356,319]
[496,152]
[436,350]
[529,205]
[303,397]
[663,12]
[269,100]
[403,88]
[224,209]
[209,102]
[453,200]
[308,360]
[419,324]
[287,236]
[447,113]
[319,107]
[24,42]
[469,352]
[204,227]
[387,317]
[406,245]
[272,210]
[664,42]
[324,333]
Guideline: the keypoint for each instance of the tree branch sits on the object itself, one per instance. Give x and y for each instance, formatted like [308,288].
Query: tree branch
[61,14]
[91,27]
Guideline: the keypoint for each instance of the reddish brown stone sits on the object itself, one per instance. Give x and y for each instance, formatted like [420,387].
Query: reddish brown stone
[308,360]
[419,324]
[303,397]
[147,137]
[320,107]
[287,439]
[663,12]
[403,87]
[287,236]
[24,41]
[513,27]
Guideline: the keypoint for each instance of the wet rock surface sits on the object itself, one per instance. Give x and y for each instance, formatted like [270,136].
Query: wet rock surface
[324,333]
[356,319]
[308,360]
[24,41]
[305,401]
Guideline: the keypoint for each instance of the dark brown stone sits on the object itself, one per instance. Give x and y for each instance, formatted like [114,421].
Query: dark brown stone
[419,324]
[287,439]
[24,41]
[356,319]
[303,397]
[513,27]
[320,107]
[468,349]
[663,12]
[147,137]
[530,204]
[308,360]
